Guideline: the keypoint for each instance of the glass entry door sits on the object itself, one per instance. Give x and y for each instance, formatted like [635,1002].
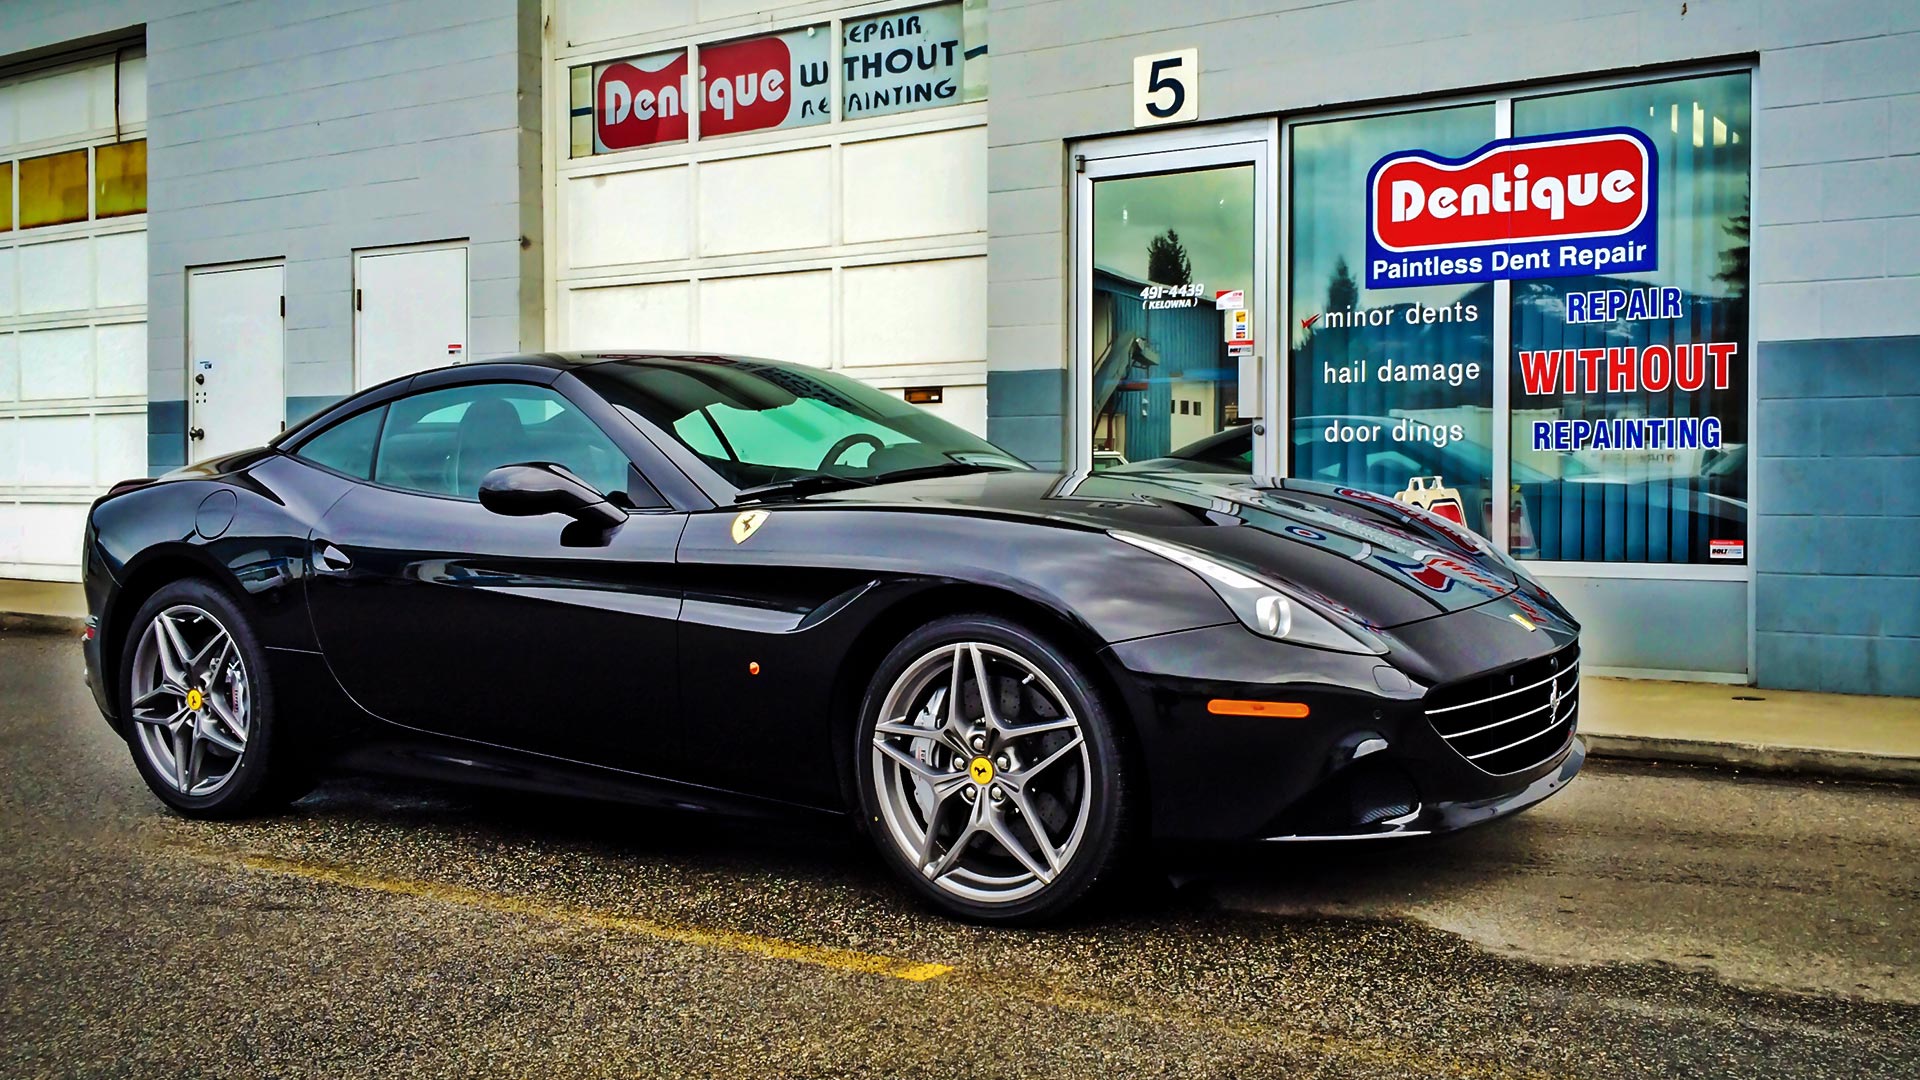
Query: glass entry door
[1172,239]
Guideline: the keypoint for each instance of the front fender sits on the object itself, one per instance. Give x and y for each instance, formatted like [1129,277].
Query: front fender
[1113,591]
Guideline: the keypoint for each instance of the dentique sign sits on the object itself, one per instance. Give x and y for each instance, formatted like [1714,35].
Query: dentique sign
[1558,205]
[777,81]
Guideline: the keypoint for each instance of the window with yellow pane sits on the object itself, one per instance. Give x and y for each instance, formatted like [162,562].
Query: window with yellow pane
[120,179]
[53,189]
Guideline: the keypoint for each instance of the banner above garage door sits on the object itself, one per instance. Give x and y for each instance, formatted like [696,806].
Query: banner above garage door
[893,62]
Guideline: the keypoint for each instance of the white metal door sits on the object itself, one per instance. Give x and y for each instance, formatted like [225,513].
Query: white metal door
[235,357]
[410,311]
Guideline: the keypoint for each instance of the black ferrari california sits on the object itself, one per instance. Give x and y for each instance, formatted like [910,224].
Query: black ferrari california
[724,583]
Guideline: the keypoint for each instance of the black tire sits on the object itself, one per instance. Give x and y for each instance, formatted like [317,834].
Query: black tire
[1105,846]
[263,780]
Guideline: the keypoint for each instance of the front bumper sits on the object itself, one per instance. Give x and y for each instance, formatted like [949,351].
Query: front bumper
[1445,817]
[1367,761]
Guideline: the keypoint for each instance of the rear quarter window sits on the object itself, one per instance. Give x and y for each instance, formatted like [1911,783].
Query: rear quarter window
[347,447]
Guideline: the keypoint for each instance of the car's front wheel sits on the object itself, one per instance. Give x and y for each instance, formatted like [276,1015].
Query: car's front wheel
[991,775]
[199,704]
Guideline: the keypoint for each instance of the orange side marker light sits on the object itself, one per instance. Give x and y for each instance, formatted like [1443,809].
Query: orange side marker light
[1284,710]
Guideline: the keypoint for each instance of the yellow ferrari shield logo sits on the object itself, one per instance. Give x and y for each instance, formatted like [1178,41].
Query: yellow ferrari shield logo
[1524,622]
[195,699]
[747,524]
[981,770]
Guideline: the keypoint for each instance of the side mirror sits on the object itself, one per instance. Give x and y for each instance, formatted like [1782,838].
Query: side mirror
[535,488]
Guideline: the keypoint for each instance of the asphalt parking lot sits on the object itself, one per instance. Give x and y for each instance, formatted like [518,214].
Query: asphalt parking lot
[1648,922]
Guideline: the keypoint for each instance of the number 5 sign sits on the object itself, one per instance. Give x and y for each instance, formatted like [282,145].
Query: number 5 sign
[1166,88]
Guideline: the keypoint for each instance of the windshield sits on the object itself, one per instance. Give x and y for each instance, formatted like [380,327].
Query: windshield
[761,423]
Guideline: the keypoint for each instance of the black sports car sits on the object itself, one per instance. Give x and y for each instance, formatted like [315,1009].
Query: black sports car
[716,582]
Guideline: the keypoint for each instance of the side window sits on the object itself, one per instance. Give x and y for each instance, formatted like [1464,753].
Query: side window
[444,442]
[347,447]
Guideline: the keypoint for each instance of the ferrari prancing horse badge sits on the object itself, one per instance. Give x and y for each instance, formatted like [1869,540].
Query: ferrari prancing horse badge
[745,525]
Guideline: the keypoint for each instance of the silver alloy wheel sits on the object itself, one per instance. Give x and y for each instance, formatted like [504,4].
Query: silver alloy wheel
[982,772]
[192,705]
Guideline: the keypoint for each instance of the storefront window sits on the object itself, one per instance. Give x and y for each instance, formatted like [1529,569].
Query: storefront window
[1629,390]
[6,196]
[1392,388]
[1606,239]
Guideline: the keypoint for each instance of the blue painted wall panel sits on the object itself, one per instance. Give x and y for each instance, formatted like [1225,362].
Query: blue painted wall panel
[1837,585]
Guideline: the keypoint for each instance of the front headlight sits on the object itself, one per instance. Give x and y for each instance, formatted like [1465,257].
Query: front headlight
[1265,608]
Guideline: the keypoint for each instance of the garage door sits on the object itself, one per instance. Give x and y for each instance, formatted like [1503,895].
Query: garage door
[73,303]
[819,196]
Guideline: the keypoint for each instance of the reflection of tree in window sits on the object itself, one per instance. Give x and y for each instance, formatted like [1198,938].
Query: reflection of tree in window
[1733,261]
[1167,262]
[1343,293]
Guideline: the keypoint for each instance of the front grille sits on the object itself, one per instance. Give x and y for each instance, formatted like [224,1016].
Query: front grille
[1512,719]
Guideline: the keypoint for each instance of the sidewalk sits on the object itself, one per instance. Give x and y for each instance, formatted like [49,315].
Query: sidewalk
[58,599]
[1875,738]
[1769,730]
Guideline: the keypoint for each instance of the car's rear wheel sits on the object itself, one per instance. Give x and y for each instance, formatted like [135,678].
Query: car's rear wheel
[199,704]
[991,774]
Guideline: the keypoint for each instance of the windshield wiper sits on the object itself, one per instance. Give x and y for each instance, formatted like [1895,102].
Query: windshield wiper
[810,484]
[817,483]
[954,468]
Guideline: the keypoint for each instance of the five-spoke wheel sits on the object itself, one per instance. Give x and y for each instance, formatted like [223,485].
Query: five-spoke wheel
[190,699]
[991,771]
[198,703]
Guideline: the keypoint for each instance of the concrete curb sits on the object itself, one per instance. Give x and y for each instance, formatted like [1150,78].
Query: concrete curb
[1785,760]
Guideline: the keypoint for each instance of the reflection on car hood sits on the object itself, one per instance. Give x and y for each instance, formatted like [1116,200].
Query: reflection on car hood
[1374,559]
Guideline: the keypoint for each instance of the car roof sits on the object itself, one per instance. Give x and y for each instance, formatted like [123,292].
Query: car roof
[565,361]
[539,367]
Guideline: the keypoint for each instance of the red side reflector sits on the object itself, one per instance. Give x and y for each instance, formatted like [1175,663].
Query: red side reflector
[1284,710]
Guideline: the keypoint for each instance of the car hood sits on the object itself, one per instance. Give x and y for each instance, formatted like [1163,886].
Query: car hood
[1376,560]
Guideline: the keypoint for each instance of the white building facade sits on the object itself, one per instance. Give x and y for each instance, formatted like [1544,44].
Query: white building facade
[73,299]
[821,198]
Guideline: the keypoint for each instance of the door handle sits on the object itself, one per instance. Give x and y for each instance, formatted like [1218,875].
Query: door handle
[196,433]
[329,559]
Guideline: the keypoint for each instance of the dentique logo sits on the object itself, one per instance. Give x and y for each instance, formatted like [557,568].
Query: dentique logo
[1538,206]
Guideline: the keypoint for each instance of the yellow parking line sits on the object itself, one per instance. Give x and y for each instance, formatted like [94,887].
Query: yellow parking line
[1386,1055]
[732,940]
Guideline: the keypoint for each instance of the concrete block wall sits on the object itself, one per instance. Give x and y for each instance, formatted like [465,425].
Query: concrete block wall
[1836,269]
[308,131]
[1837,486]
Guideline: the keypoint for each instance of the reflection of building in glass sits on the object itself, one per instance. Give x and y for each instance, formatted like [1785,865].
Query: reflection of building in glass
[1161,375]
